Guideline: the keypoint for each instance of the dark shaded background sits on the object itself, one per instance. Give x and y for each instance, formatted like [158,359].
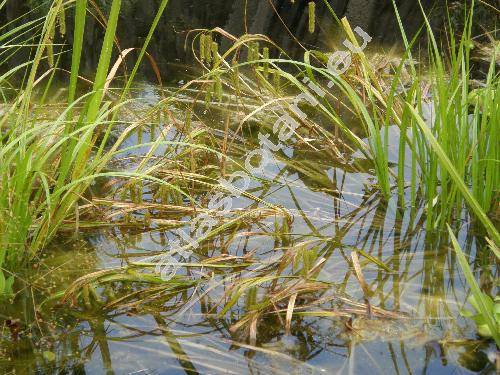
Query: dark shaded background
[168,46]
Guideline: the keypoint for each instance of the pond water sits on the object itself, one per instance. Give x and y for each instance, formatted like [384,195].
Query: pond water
[409,322]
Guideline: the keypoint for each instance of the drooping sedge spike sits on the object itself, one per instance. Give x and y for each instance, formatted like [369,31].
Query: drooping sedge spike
[312,16]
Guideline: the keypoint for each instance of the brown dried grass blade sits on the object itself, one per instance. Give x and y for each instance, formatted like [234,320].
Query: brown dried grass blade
[359,275]
[289,313]
[253,330]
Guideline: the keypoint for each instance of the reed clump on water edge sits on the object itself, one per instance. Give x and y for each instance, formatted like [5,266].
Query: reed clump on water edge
[48,164]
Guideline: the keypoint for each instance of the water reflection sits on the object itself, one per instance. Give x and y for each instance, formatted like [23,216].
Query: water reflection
[131,325]
[126,324]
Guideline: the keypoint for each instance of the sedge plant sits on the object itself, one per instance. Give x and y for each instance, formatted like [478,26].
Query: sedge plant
[49,165]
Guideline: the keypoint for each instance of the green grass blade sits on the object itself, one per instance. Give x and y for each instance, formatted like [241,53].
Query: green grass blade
[80,15]
[448,166]
[476,292]
[104,62]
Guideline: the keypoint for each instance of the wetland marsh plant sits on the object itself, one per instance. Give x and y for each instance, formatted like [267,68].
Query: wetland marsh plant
[50,162]
[261,264]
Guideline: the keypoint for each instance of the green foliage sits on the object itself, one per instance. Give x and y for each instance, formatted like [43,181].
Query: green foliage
[493,311]
[48,166]
[6,285]
[487,316]
[447,126]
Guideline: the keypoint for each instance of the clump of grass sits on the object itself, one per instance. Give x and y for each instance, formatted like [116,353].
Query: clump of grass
[49,175]
[49,165]
[448,126]
[453,153]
